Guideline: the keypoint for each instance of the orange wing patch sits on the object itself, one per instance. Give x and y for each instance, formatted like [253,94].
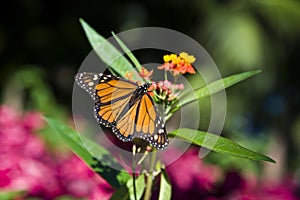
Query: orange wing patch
[126,124]
[147,116]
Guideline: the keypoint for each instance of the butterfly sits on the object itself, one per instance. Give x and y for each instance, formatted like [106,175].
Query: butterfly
[125,107]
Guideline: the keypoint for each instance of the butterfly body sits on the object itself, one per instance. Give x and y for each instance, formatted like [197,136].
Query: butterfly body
[138,93]
[125,107]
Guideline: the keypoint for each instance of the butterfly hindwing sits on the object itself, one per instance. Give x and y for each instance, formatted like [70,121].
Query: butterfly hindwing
[143,121]
[149,124]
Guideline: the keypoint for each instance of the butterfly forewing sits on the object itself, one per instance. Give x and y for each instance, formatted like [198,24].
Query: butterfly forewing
[113,96]
[88,81]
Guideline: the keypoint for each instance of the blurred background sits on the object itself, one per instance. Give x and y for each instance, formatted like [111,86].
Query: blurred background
[42,45]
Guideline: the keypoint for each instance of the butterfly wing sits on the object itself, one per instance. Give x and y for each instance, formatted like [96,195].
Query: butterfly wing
[112,97]
[143,121]
[88,81]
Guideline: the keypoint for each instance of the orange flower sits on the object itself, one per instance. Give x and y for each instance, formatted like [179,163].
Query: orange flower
[146,74]
[129,76]
[184,68]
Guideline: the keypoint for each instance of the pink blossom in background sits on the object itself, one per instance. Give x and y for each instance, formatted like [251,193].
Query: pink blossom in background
[265,190]
[26,163]
[81,181]
[189,171]
[33,120]
[191,178]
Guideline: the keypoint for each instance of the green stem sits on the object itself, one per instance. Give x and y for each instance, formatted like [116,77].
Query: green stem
[168,116]
[134,187]
[133,171]
[150,177]
[175,79]
[166,75]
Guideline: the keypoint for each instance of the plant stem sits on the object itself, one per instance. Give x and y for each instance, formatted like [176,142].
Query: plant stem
[133,170]
[168,116]
[166,75]
[175,79]
[150,177]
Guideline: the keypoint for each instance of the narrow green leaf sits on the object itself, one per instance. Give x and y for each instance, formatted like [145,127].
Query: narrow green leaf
[218,144]
[128,52]
[107,52]
[7,195]
[105,164]
[64,197]
[140,187]
[212,88]
[165,187]
[71,138]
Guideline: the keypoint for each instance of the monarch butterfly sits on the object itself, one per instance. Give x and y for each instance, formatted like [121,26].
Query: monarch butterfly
[125,107]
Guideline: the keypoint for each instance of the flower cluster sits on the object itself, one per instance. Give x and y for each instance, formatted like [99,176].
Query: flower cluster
[181,64]
[144,73]
[27,165]
[166,90]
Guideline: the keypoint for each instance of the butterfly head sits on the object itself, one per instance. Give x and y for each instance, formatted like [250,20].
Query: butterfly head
[143,88]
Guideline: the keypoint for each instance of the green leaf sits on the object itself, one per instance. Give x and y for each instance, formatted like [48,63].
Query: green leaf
[6,195]
[64,197]
[218,144]
[165,187]
[128,52]
[107,52]
[212,88]
[71,138]
[140,187]
[120,194]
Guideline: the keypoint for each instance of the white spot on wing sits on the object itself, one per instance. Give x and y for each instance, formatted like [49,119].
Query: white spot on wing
[91,83]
